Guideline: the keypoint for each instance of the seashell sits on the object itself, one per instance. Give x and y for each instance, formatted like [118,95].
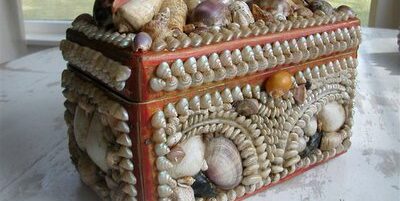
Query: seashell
[330,141]
[102,13]
[211,13]
[134,14]
[300,94]
[164,191]
[305,12]
[176,154]
[247,107]
[279,84]
[260,14]
[191,163]
[302,144]
[241,13]
[183,194]
[142,42]
[332,117]
[224,163]
[158,120]
[159,44]
[312,145]
[280,9]
[185,82]
[158,27]
[81,127]
[322,5]
[311,127]
[171,84]
[96,143]
[347,10]
[157,84]
[192,4]
[203,187]
[88,170]
[179,10]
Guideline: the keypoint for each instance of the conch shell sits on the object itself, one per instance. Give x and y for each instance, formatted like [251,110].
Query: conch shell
[158,27]
[179,10]
[241,13]
[132,15]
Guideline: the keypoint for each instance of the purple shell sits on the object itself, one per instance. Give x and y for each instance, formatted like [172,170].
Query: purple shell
[142,42]
[211,13]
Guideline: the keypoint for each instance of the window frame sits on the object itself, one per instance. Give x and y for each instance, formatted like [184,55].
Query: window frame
[45,32]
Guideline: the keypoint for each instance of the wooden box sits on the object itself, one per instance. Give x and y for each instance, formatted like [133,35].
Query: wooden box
[141,123]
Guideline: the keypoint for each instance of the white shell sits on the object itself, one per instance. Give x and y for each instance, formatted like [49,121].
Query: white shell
[241,13]
[332,117]
[224,163]
[191,164]
[311,127]
[183,194]
[96,146]
[81,127]
[330,141]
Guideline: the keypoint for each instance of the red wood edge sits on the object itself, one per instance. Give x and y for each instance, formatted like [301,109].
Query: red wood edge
[256,78]
[290,176]
[154,58]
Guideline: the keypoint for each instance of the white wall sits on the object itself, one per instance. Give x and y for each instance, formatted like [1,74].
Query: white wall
[12,42]
[385,14]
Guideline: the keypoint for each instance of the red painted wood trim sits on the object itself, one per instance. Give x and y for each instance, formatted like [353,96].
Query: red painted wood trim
[155,58]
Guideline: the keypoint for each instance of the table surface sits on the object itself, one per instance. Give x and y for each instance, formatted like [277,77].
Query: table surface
[35,164]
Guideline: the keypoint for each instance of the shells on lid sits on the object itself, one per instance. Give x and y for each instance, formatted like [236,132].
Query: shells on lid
[211,13]
[102,13]
[322,5]
[332,117]
[191,163]
[179,12]
[241,13]
[96,144]
[142,42]
[279,83]
[224,163]
[81,127]
[132,15]
[158,26]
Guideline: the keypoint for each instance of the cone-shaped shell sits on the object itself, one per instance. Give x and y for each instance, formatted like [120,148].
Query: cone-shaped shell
[192,162]
[224,163]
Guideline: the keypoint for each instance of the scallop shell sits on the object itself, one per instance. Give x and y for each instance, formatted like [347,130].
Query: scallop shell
[97,145]
[330,141]
[224,163]
[179,12]
[191,164]
[332,117]
[311,127]
[183,194]
[247,107]
[134,14]
[81,127]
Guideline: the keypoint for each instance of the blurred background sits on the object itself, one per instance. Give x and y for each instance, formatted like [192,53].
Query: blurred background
[35,25]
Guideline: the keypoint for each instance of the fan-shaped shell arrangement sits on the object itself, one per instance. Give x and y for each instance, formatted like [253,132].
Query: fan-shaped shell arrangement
[207,100]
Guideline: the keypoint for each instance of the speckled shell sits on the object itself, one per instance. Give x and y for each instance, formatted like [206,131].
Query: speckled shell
[260,14]
[247,107]
[179,10]
[81,127]
[241,13]
[158,27]
[183,194]
[332,117]
[191,164]
[96,146]
[224,163]
[322,5]
[135,13]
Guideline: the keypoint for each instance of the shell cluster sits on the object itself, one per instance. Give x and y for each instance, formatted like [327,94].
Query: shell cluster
[104,146]
[240,21]
[269,143]
[96,64]
[180,75]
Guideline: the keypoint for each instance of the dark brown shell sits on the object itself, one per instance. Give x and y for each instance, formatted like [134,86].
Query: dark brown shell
[247,107]
[260,14]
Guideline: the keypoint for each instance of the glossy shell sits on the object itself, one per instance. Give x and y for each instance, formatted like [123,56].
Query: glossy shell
[279,84]
[96,143]
[81,127]
[191,164]
[332,117]
[247,107]
[211,13]
[311,127]
[224,163]
[183,194]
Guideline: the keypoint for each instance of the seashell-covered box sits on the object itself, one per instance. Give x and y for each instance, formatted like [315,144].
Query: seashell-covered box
[207,100]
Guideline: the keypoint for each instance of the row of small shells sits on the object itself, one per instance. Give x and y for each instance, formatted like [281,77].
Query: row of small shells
[121,181]
[187,118]
[181,75]
[94,33]
[234,31]
[95,63]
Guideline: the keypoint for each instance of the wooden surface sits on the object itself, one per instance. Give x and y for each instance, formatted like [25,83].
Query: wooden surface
[35,165]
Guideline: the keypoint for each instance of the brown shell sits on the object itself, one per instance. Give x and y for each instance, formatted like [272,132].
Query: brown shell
[178,13]
[260,14]
[300,94]
[158,27]
[247,107]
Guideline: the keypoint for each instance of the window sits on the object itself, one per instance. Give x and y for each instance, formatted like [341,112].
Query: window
[362,8]
[55,9]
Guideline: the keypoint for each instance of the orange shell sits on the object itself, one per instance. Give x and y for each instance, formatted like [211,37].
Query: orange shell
[279,84]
